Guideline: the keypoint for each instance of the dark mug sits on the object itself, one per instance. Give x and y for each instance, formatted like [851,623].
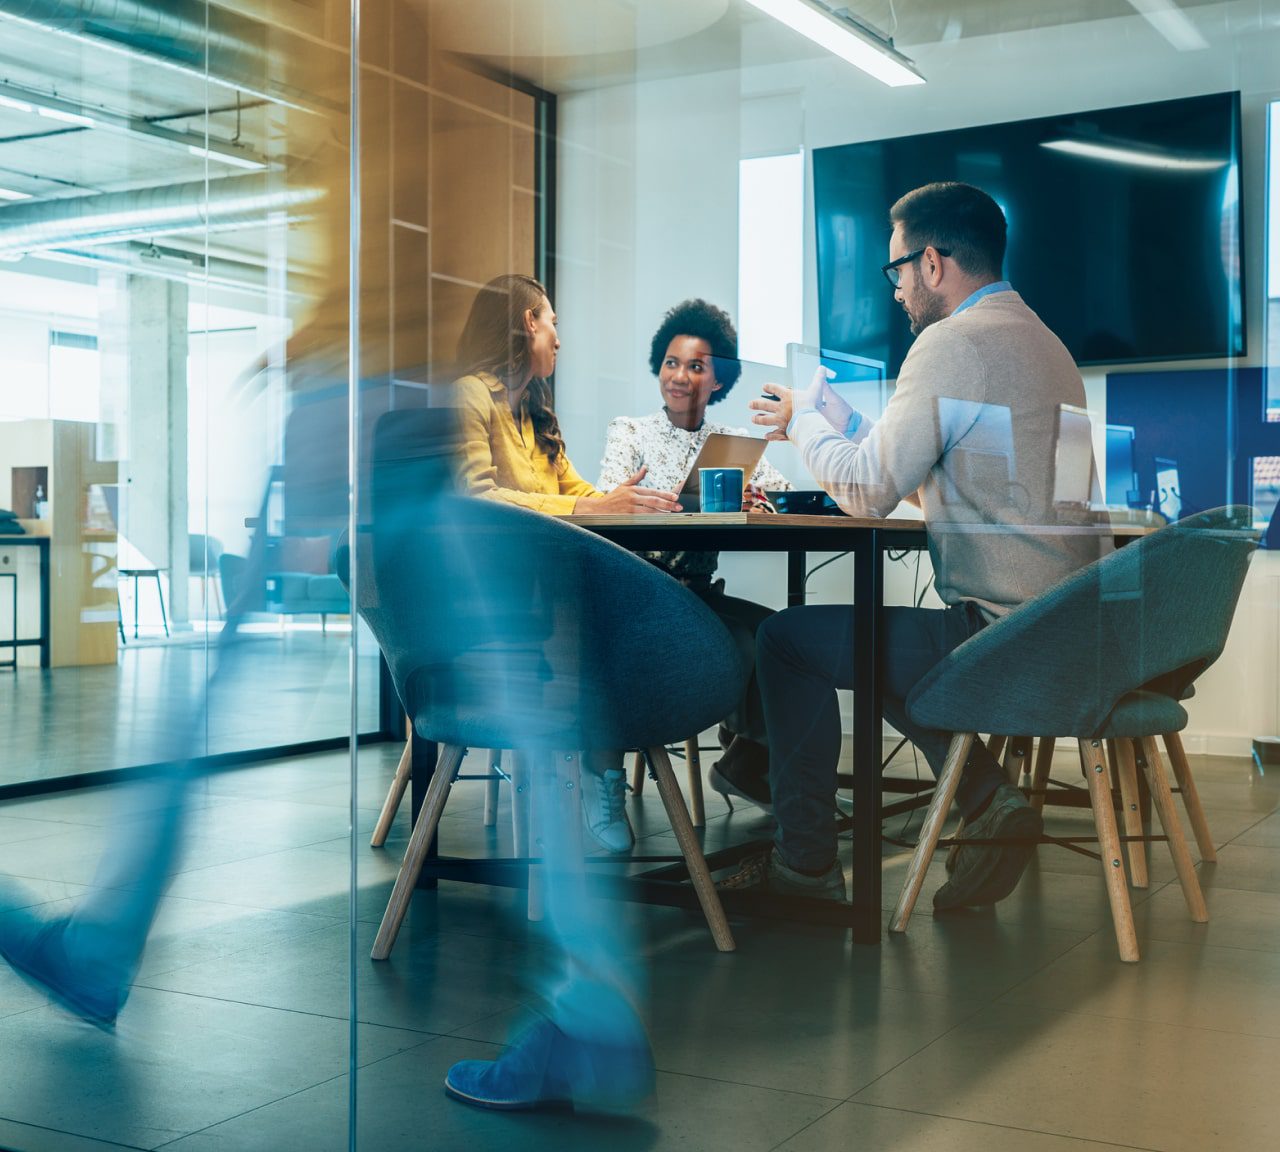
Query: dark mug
[720,489]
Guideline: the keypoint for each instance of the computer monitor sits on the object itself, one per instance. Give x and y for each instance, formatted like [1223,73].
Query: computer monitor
[1122,480]
[1168,490]
[858,381]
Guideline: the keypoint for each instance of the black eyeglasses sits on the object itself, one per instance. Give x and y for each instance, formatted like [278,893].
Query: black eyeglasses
[891,270]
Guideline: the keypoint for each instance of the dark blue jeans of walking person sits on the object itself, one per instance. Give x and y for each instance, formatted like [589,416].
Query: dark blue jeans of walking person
[803,655]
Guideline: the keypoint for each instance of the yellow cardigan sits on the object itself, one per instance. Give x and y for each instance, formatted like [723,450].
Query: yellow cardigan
[504,462]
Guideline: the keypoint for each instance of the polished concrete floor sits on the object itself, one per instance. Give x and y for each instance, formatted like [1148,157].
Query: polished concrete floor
[1013,1030]
[67,721]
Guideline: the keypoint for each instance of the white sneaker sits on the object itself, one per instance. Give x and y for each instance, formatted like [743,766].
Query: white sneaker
[604,809]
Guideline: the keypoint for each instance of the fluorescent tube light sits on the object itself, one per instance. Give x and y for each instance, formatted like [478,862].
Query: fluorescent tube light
[1135,157]
[231,158]
[10,194]
[844,37]
[1172,23]
[66,117]
[16,105]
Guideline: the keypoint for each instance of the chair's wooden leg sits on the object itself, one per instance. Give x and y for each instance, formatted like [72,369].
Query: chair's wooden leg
[697,811]
[1162,799]
[1093,763]
[423,833]
[995,745]
[526,824]
[1190,797]
[681,825]
[1127,772]
[519,804]
[392,803]
[637,774]
[1017,756]
[944,793]
[491,787]
[568,822]
[1040,780]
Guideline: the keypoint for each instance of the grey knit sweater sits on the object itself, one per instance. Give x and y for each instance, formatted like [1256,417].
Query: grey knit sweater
[972,428]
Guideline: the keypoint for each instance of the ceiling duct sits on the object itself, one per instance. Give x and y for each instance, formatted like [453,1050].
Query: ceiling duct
[146,212]
[198,38]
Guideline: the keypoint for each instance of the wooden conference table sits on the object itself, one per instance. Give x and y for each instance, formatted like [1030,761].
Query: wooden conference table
[867,540]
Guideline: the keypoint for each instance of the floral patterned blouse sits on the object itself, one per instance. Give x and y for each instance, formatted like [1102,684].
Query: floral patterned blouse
[669,452]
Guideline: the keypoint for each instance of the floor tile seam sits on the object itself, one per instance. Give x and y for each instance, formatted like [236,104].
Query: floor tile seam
[261,856]
[226,956]
[805,1127]
[1006,1127]
[289,1011]
[1197,1029]
[329,921]
[76,1135]
[1004,996]
[249,1111]
[978,1009]
[1245,831]
[683,1075]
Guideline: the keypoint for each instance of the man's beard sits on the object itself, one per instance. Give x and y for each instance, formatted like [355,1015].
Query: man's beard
[925,308]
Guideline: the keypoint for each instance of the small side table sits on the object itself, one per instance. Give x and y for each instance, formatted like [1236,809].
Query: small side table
[148,573]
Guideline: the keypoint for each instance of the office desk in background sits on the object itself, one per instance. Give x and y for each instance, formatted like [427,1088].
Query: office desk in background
[41,544]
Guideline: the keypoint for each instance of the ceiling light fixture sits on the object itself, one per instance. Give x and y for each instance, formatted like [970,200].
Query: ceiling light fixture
[11,194]
[66,117]
[1172,23]
[844,35]
[236,161]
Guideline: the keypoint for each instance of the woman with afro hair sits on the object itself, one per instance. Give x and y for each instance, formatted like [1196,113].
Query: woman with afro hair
[694,355]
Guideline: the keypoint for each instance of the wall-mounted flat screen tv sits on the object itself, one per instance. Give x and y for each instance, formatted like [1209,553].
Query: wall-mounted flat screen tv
[1124,228]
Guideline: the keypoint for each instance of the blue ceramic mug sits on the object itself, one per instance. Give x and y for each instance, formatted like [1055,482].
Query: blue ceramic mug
[720,489]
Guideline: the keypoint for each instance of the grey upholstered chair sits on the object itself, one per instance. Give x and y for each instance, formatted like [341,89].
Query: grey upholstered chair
[505,628]
[1106,654]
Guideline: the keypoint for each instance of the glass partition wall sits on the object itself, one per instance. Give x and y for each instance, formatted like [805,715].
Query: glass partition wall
[184,351]
[174,204]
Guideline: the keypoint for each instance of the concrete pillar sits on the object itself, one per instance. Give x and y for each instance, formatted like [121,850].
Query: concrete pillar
[143,339]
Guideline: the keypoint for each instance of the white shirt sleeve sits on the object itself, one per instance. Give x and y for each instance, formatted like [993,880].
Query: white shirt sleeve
[623,453]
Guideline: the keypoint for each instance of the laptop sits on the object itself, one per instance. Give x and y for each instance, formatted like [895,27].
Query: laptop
[721,450]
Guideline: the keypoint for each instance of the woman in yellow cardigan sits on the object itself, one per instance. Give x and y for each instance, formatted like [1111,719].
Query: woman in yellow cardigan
[512,449]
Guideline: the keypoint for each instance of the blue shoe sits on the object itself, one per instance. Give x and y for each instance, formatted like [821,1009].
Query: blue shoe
[545,1068]
[36,949]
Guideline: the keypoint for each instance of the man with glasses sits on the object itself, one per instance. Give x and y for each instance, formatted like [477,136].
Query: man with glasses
[969,438]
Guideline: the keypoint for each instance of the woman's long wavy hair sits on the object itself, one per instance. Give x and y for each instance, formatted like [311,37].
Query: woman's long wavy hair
[494,340]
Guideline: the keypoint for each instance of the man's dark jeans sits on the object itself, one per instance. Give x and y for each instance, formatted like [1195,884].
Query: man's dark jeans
[805,654]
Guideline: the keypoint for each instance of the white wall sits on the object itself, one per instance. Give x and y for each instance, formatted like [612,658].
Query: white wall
[648,216]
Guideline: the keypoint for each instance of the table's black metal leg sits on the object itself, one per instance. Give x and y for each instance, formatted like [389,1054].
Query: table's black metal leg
[795,578]
[44,606]
[425,755]
[868,593]
[135,605]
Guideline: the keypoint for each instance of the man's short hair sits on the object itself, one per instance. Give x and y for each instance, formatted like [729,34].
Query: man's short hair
[956,216]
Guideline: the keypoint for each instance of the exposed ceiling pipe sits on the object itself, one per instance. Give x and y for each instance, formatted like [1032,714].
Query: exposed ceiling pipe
[146,212]
[185,267]
[198,38]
